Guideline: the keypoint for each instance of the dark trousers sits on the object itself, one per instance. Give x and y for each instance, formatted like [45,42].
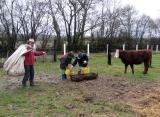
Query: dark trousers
[29,73]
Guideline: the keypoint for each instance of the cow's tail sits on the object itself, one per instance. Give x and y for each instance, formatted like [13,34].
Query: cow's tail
[150,62]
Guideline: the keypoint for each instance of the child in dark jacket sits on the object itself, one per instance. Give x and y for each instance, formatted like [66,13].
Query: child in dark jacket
[65,60]
[82,60]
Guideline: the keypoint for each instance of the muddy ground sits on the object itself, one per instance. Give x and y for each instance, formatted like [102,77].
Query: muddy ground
[142,96]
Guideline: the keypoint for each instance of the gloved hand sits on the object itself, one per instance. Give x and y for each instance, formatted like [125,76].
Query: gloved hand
[84,62]
[70,67]
[76,57]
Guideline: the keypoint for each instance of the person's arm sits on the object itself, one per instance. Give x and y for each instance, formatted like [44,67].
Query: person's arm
[75,62]
[29,49]
[39,53]
[27,53]
[85,61]
[86,57]
[65,62]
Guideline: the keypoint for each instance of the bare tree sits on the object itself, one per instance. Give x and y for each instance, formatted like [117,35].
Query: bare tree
[46,33]
[141,28]
[56,28]
[86,5]
[23,17]
[152,29]
[31,15]
[112,16]
[75,15]
[67,16]
[157,22]
[10,24]
[127,19]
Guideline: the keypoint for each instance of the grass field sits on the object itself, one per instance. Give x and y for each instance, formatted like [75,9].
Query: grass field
[69,99]
[98,63]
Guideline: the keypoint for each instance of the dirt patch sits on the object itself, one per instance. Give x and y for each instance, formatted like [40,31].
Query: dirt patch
[10,82]
[142,96]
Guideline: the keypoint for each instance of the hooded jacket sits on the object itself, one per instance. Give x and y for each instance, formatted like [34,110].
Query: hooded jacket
[30,56]
[82,60]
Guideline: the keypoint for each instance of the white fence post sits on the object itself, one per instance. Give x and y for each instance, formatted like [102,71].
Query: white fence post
[151,47]
[123,46]
[107,49]
[147,47]
[64,48]
[88,49]
[136,47]
[156,48]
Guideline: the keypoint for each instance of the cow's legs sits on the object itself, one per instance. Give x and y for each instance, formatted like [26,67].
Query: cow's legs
[132,67]
[146,65]
[126,65]
[150,63]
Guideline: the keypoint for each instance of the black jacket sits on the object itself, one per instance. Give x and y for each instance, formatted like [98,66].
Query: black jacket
[81,60]
[64,61]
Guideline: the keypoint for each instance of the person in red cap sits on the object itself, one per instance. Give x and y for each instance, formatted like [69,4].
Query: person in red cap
[29,62]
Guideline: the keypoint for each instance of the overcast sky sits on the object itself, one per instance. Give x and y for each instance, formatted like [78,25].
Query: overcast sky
[148,7]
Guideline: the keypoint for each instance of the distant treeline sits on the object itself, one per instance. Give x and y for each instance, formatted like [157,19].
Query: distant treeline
[75,22]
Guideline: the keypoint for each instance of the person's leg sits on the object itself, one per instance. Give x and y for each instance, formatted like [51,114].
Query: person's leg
[26,75]
[79,70]
[64,77]
[31,75]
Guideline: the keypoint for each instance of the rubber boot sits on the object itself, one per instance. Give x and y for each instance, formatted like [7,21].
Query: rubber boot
[32,83]
[64,77]
[24,83]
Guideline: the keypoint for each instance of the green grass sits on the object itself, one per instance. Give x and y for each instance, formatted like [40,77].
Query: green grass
[2,73]
[47,101]
[98,63]
[43,101]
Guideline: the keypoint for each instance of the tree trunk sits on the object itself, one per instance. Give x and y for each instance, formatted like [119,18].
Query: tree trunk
[55,51]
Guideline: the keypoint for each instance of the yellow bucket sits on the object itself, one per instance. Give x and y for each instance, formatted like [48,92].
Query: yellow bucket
[85,70]
[68,73]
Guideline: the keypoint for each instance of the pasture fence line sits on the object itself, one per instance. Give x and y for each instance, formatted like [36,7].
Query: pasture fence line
[90,48]
[109,48]
[152,47]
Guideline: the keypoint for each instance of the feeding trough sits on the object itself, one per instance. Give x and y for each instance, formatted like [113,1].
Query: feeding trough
[80,77]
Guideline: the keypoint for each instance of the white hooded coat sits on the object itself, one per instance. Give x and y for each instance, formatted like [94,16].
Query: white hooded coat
[14,65]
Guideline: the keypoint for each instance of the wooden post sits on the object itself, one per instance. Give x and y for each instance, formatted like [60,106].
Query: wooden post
[136,47]
[88,49]
[107,49]
[109,54]
[156,48]
[123,46]
[147,47]
[64,48]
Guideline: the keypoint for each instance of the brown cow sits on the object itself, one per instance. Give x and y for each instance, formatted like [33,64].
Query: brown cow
[132,57]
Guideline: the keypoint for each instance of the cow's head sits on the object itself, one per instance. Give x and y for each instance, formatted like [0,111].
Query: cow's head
[117,53]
